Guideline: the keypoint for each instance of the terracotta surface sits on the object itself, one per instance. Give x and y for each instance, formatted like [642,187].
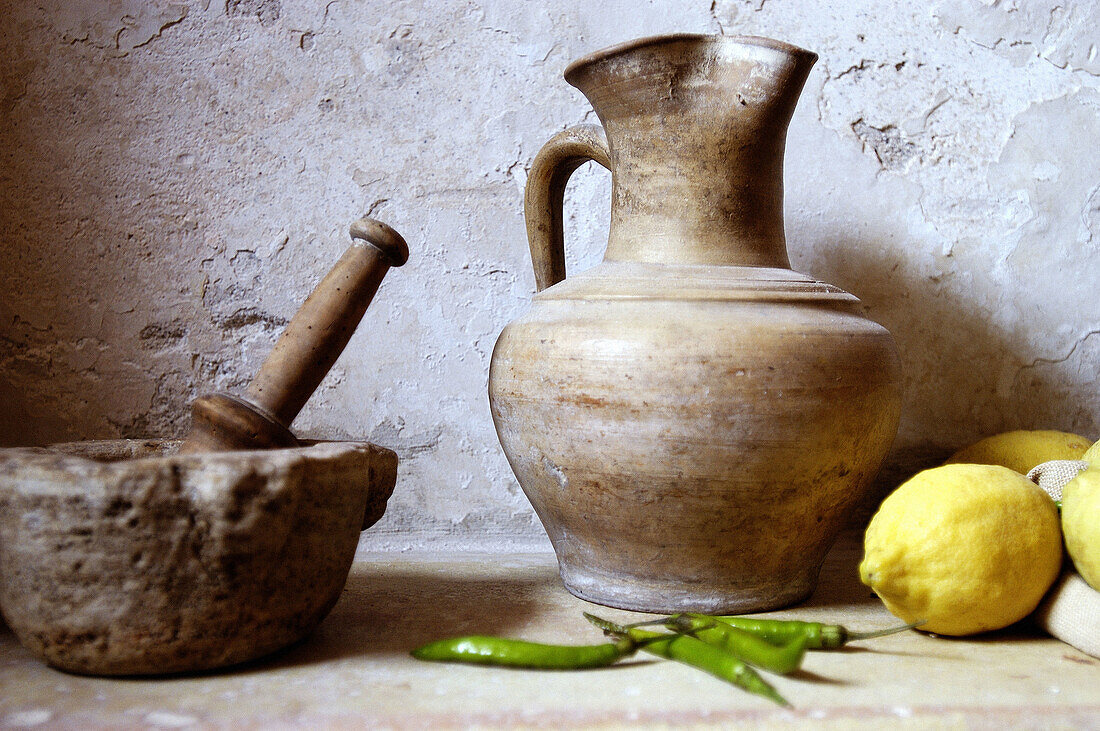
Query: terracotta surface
[692,421]
[354,671]
[121,558]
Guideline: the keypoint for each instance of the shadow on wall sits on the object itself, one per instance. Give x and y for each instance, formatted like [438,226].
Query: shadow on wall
[954,361]
[84,231]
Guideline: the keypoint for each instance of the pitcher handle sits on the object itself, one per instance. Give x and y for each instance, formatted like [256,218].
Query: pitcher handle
[544,195]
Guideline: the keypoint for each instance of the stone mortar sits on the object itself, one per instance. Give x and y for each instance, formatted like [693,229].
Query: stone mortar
[122,558]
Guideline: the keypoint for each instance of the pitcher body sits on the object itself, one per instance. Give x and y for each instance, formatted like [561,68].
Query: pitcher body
[691,420]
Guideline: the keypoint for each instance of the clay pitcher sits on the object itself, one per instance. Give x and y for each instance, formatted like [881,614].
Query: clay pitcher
[691,420]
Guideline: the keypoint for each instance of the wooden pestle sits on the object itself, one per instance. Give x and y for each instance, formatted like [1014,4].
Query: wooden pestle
[303,354]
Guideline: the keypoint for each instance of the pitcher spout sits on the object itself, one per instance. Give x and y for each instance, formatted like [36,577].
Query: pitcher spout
[697,127]
[782,65]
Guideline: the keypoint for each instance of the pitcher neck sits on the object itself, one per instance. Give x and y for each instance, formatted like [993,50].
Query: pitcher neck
[697,129]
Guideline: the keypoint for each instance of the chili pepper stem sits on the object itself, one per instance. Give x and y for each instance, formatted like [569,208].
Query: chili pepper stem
[850,636]
[608,627]
[686,649]
[623,630]
[648,623]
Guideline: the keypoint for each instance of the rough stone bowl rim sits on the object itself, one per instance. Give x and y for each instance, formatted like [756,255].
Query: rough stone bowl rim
[70,463]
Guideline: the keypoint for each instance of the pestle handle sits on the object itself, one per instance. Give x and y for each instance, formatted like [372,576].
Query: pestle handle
[326,321]
[304,352]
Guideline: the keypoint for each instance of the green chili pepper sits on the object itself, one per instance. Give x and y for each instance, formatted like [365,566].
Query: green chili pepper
[818,636]
[481,650]
[749,647]
[690,651]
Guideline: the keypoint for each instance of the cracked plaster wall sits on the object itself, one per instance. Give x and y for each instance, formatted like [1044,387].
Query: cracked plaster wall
[175,177]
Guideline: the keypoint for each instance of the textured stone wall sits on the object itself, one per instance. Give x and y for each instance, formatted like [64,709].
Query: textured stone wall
[175,177]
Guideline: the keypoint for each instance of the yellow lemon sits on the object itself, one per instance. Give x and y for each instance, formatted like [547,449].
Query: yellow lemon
[1081,523]
[1092,454]
[1022,450]
[966,547]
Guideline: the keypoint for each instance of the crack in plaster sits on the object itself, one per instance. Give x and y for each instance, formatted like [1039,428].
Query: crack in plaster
[118,25]
[166,25]
[714,16]
[861,66]
[1055,361]
[13,85]
[1064,396]
[266,11]
[376,205]
[1090,214]
[167,401]
[1062,34]
[724,12]
[247,316]
[392,433]
[162,335]
[1044,167]
[887,142]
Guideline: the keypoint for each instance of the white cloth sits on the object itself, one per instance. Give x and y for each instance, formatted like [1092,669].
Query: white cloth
[1054,475]
[1071,612]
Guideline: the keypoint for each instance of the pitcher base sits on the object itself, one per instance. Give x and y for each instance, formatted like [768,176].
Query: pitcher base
[671,597]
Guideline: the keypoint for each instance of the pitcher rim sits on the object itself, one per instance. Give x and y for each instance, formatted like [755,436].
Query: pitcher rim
[631,45]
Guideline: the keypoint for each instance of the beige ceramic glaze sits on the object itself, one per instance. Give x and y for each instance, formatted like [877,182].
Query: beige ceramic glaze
[120,558]
[691,419]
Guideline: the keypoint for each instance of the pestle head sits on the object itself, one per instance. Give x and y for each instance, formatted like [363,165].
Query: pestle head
[382,237]
[221,423]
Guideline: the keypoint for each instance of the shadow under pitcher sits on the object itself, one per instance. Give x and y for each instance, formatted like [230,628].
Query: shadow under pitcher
[692,420]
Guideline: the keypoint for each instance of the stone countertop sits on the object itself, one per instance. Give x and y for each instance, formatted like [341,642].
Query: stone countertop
[355,671]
